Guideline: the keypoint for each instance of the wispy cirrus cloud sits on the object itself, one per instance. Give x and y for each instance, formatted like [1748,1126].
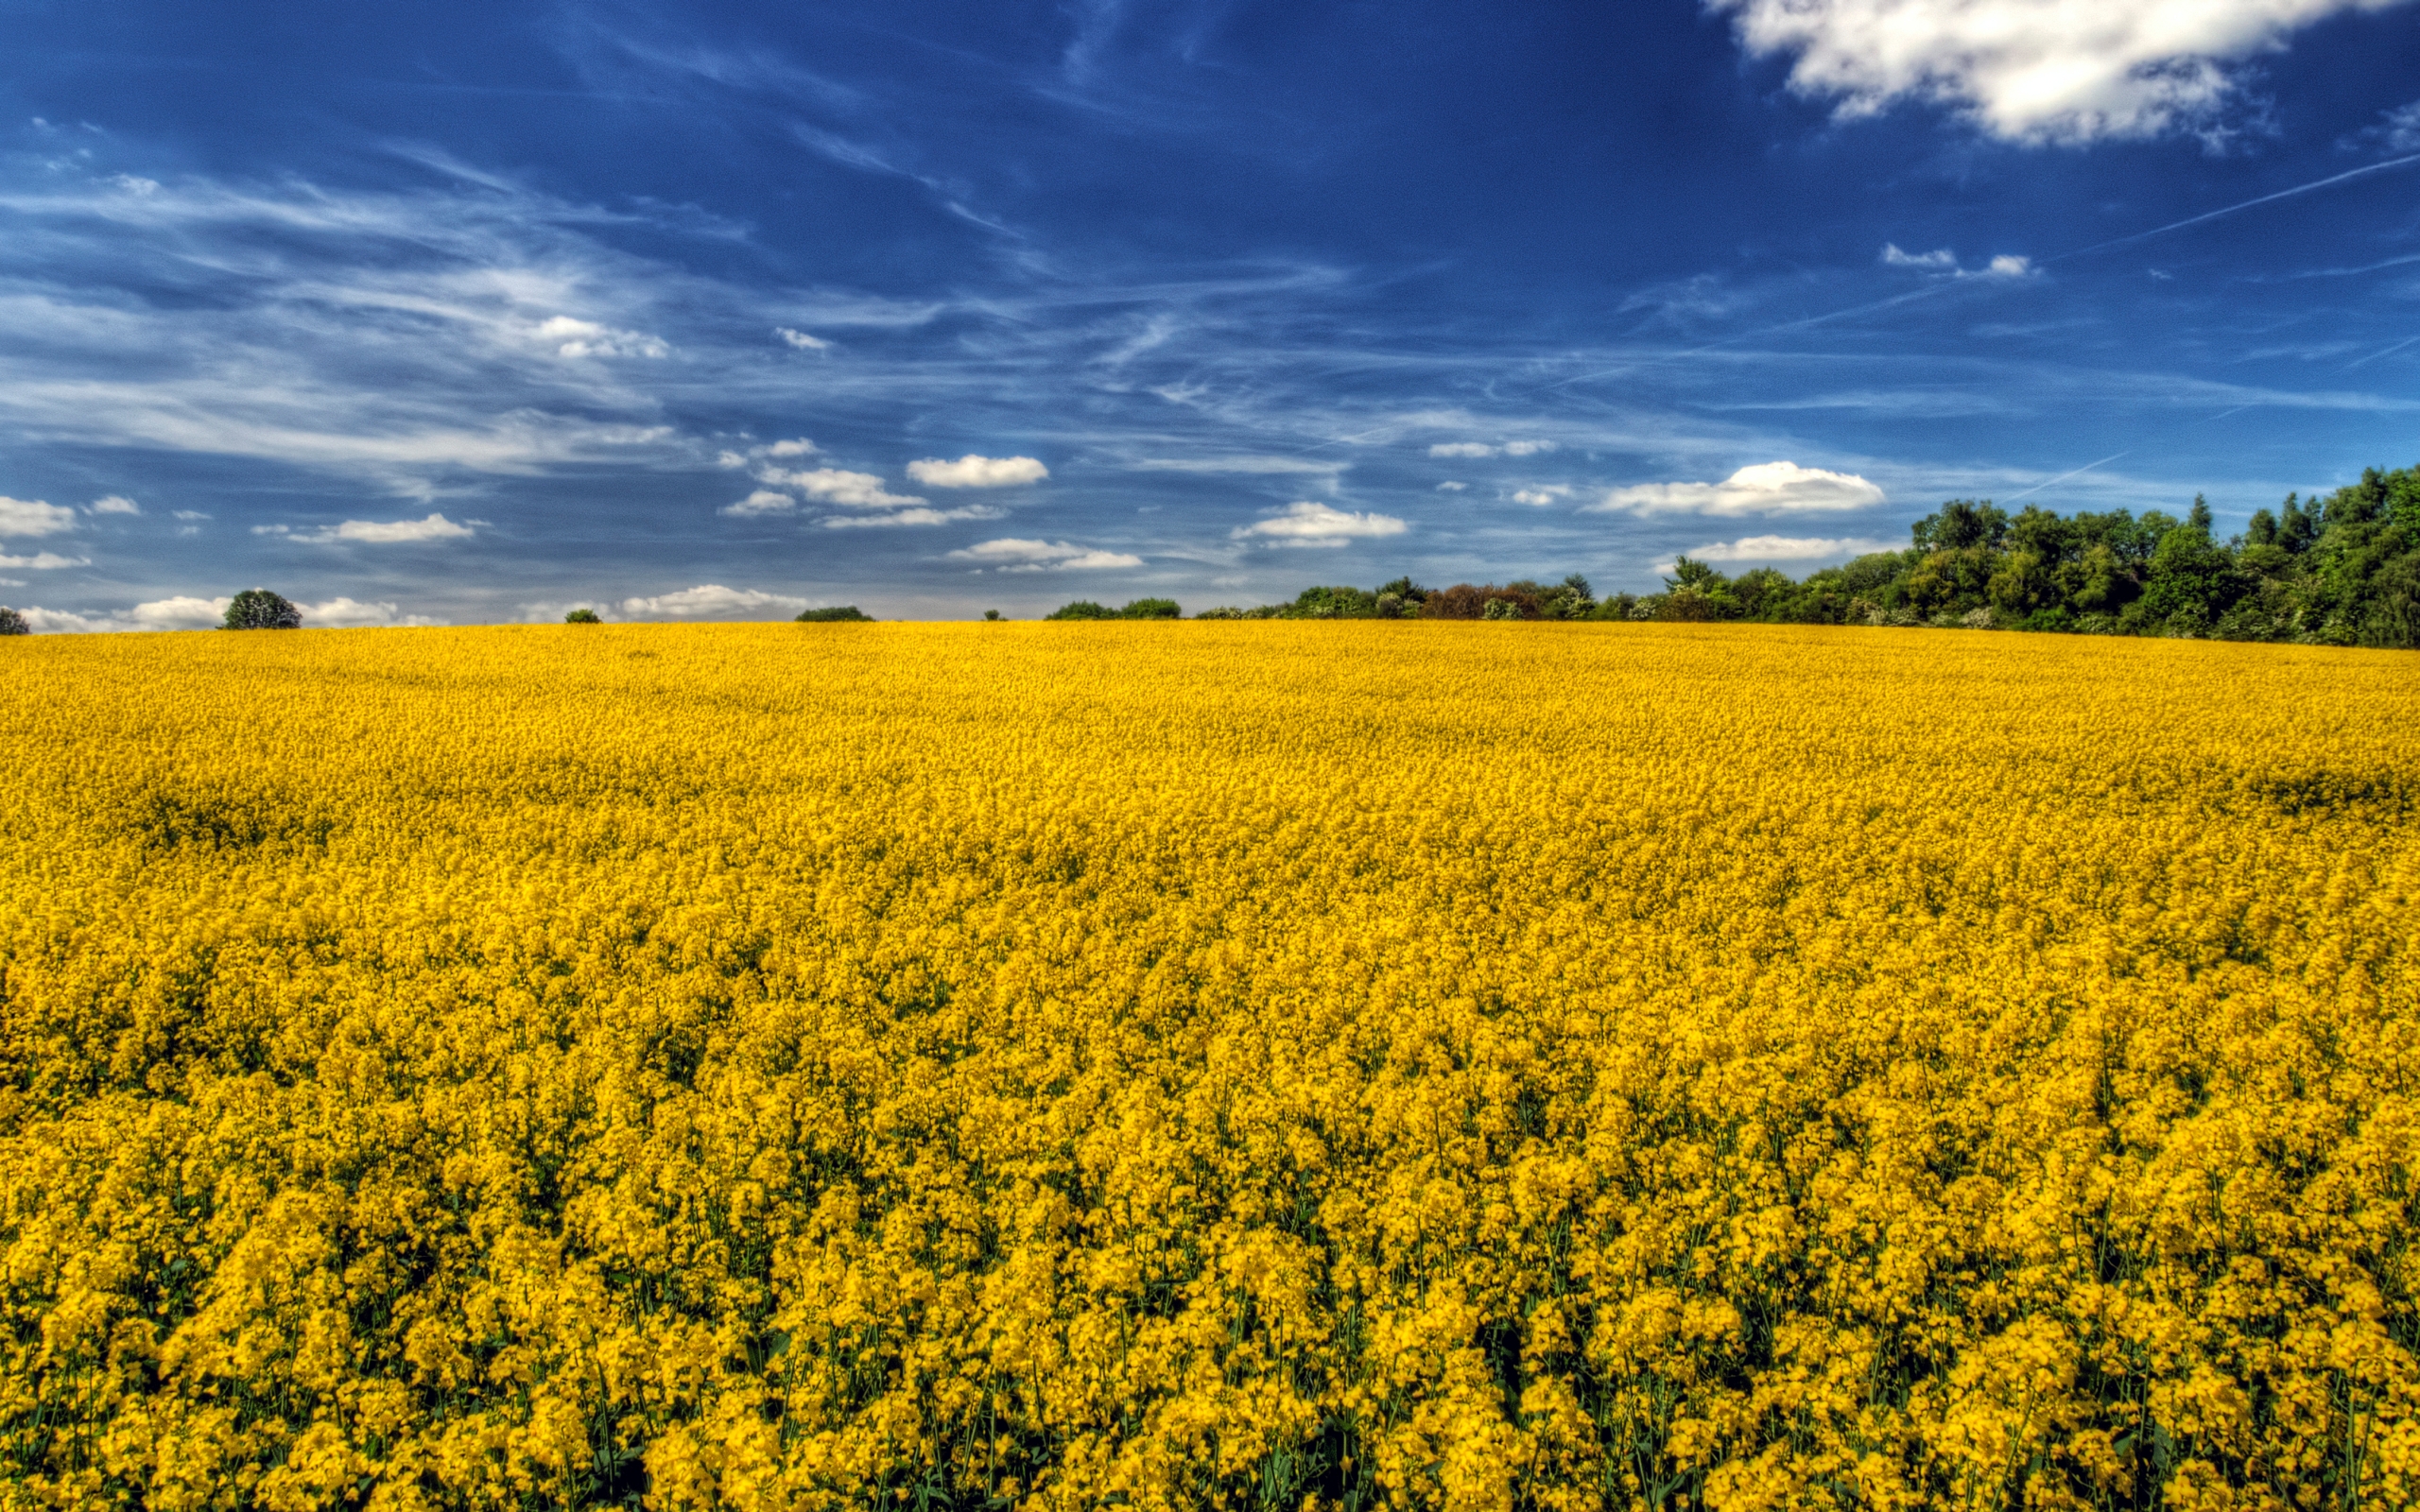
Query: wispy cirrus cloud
[1786,550]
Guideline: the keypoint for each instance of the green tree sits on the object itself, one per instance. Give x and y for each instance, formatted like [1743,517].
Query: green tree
[582,616]
[13,623]
[837,614]
[1082,608]
[257,608]
[1150,608]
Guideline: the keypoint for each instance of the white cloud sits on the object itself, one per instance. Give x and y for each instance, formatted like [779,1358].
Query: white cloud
[1542,494]
[43,562]
[115,503]
[2063,70]
[32,517]
[1482,449]
[190,514]
[586,339]
[1451,487]
[352,614]
[913,517]
[797,446]
[715,600]
[1763,549]
[831,484]
[1893,257]
[762,502]
[1255,466]
[379,532]
[730,459]
[973,472]
[1944,261]
[1010,555]
[159,614]
[2401,133]
[801,340]
[1308,524]
[1769,488]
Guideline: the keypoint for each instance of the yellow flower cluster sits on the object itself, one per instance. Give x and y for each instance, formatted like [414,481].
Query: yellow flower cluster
[1171,1066]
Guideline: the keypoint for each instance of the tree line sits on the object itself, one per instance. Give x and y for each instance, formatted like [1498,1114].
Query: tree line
[2339,570]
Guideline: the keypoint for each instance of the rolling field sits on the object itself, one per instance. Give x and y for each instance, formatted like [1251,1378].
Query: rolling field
[1194,1065]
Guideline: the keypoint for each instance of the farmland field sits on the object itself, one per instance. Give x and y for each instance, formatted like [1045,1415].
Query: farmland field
[1189,1065]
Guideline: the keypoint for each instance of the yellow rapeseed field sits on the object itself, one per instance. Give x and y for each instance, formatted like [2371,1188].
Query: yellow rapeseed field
[1204,1065]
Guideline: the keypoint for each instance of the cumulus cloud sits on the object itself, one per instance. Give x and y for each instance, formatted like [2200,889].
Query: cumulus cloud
[1542,494]
[32,517]
[115,503]
[1769,488]
[712,600]
[183,613]
[831,484]
[973,472]
[1482,449]
[352,614]
[801,340]
[2037,71]
[1010,555]
[379,532]
[797,446]
[762,502]
[919,516]
[586,339]
[1893,257]
[1763,549]
[1305,523]
[43,562]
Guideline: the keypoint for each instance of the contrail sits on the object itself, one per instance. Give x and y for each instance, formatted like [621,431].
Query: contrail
[2375,355]
[2213,215]
[2064,477]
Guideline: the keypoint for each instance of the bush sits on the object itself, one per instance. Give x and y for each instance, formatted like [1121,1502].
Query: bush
[582,616]
[257,608]
[13,623]
[837,614]
[991,616]
[1150,608]
[1082,608]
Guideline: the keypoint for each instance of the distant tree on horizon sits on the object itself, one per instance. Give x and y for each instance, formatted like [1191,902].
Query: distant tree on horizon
[257,608]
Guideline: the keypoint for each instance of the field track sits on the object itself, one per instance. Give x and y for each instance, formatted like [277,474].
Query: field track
[1183,1065]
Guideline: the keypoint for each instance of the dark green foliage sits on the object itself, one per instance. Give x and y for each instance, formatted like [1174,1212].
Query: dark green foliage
[1150,608]
[582,616]
[992,615]
[2341,570]
[2338,570]
[257,608]
[13,623]
[837,614]
[1082,608]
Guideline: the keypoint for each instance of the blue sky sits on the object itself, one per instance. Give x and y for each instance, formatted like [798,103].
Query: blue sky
[464,313]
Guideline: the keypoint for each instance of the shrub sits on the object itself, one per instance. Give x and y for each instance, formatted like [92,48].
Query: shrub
[991,616]
[13,623]
[1150,608]
[582,616]
[837,614]
[257,608]
[1082,608]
